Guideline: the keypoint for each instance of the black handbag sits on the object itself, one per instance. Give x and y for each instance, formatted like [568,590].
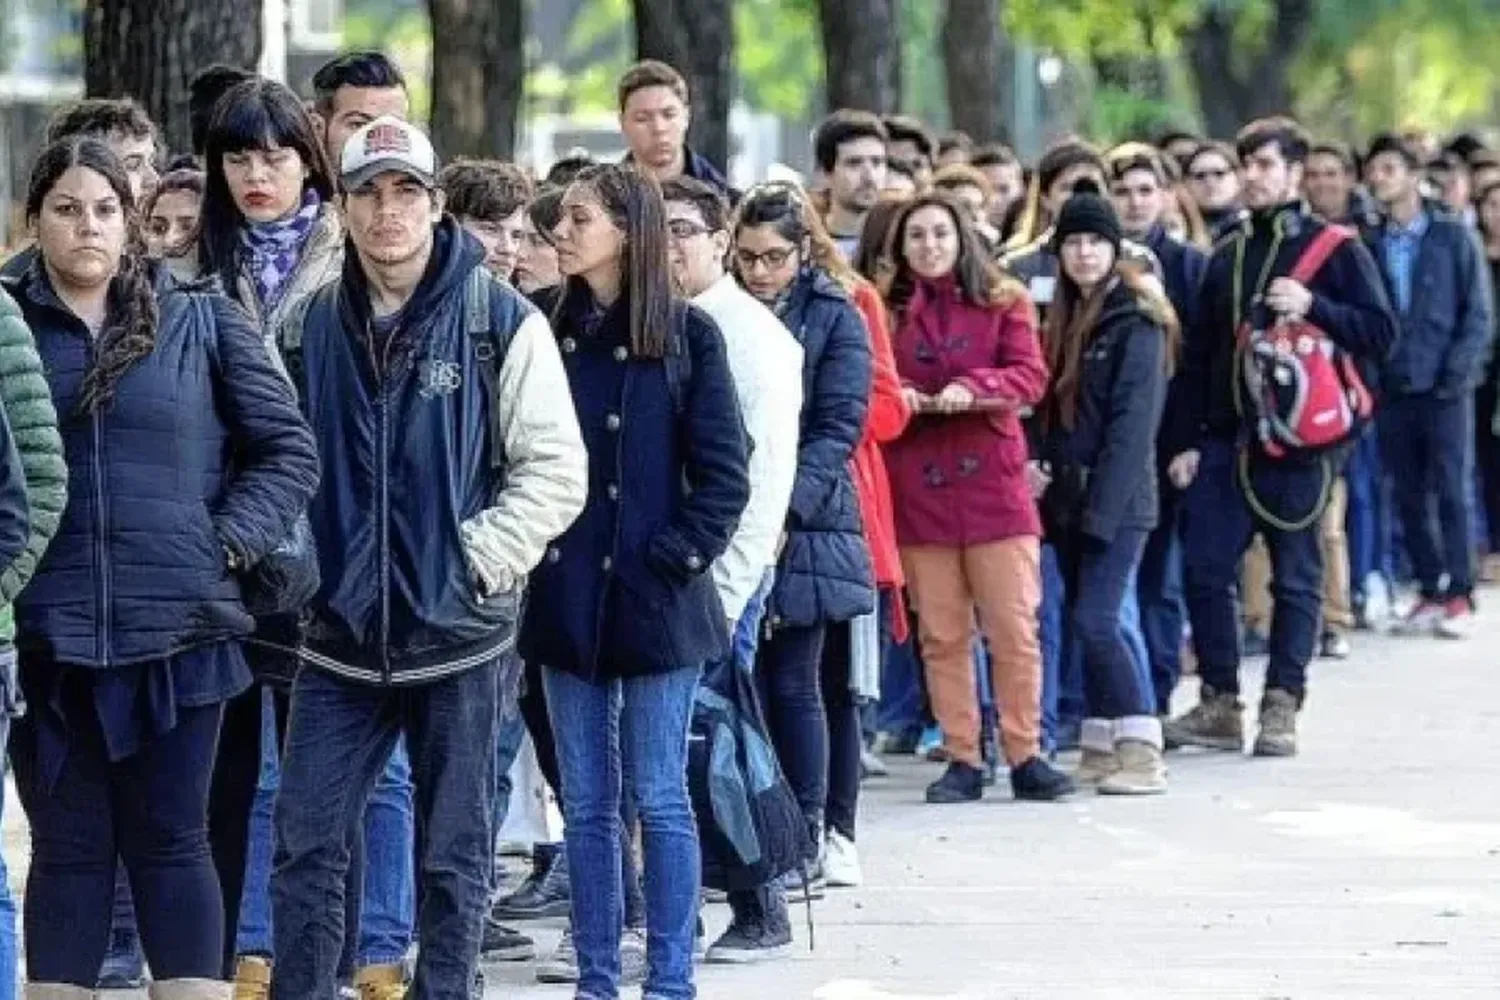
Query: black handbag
[1065,499]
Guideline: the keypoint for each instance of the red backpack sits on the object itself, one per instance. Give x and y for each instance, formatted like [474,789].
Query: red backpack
[1304,392]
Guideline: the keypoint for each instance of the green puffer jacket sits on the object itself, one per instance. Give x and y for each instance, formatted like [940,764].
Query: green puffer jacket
[33,422]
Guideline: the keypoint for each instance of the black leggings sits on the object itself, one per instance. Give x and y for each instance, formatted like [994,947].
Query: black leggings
[787,671]
[149,810]
[844,732]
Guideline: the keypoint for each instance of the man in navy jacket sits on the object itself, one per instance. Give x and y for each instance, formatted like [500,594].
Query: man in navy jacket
[1438,280]
[1215,454]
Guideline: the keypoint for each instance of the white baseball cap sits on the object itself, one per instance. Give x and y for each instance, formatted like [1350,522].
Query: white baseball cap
[384,145]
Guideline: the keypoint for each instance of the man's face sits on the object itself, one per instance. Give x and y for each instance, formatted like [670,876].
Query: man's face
[1328,185]
[695,253]
[1269,179]
[1484,176]
[355,107]
[1392,180]
[655,123]
[390,218]
[973,201]
[1140,199]
[502,240]
[138,155]
[907,151]
[1213,182]
[1062,186]
[858,174]
[1006,180]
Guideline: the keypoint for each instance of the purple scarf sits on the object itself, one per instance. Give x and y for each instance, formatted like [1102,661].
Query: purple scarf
[270,250]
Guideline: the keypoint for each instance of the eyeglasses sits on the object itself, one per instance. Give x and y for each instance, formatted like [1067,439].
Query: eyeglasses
[1210,175]
[686,229]
[773,259]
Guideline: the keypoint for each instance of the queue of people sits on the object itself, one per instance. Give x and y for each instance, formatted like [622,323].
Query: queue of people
[331,474]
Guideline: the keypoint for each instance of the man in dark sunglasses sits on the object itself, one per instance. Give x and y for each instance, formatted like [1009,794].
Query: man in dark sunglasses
[1214,182]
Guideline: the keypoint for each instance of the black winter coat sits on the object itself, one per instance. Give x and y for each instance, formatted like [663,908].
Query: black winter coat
[138,570]
[1120,394]
[825,574]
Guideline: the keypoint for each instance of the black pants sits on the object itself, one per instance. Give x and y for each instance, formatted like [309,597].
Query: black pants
[148,810]
[1487,457]
[844,735]
[788,670]
[1427,443]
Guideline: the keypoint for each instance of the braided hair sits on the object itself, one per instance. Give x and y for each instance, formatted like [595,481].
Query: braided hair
[129,332]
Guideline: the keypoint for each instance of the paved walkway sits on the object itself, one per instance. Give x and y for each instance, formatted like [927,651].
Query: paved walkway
[1369,867]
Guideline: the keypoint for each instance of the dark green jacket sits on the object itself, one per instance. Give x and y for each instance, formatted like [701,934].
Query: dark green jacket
[33,423]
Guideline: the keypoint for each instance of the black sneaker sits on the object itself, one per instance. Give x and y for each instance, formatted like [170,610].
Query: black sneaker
[1037,781]
[960,783]
[543,896]
[505,944]
[749,942]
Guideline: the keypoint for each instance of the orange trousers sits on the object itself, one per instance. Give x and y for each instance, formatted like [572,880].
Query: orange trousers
[1002,582]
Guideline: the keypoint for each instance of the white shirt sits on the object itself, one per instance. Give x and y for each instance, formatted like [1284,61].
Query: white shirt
[766,362]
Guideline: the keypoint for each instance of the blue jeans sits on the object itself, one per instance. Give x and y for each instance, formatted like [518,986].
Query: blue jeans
[339,739]
[384,862]
[1159,580]
[1429,442]
[628,733]
[1220,525]
[746,640]
[1367,521]
[1102,576]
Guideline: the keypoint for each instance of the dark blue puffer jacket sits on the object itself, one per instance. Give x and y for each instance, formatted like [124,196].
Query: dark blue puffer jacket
[138,569]
[825,574]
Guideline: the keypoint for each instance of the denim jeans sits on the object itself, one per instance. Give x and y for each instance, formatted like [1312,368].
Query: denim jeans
[384,858]
[1367,520]
[629,734]
[339,740]
[1159,586]
[1220,525]
[1101,577]
[1430,443]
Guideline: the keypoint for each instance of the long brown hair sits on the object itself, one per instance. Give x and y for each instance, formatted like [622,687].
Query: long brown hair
[1073,322]
[875,258]
[979,281]
[129,331]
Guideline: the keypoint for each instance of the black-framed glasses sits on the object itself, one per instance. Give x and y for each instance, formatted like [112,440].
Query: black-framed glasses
[686,229]
[773,259]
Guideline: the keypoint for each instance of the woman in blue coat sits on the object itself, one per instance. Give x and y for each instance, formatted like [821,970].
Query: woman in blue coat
[622,613]
[130,633]
[824,578]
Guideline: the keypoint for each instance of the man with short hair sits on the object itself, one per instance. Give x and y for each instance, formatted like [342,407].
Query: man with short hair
[850,150]
[1220,461]
[1002,169]
[911,143]
[353,90]
[489,198]
[1438,279]
[447,467]
[970,188]
[766,362]
[204,91]
[1333,184]
[654,115]
[1141,188]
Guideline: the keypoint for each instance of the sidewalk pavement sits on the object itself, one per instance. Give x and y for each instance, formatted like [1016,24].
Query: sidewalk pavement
[1368,867]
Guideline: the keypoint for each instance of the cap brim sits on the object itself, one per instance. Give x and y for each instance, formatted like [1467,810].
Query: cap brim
[365,174]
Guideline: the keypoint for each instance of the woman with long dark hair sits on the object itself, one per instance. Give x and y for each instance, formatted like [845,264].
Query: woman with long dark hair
[1110,340]
[622,613]
[967,352]
[131,633]
[1487,397]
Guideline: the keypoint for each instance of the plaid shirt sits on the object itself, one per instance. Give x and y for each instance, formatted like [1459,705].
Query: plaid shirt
[1399,246]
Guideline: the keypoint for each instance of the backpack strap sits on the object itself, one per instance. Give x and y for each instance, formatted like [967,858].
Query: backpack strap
[489,348]
[293,324]
[1316,254]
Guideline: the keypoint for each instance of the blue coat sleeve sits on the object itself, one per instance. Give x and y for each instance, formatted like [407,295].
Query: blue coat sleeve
[1135,402]
[15,519]
[1463,366]
[717,456]
[275,466]
[834,413]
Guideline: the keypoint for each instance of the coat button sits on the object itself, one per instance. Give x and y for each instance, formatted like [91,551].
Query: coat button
[554,554]
[569,345]
[622,353]
[609,564]
[612,491]
[612,421]
[694,562]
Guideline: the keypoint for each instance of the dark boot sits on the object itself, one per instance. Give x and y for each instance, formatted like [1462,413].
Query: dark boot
[960,783]
[545,895]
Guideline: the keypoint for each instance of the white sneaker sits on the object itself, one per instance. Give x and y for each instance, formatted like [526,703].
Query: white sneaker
[841,862]
[1458,619]
[1379,606]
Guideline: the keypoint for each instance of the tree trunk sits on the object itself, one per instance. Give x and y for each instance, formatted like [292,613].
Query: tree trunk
[862,54]
[152,49]
[696,37]
[972,63]
[1235,86]
[478,76]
